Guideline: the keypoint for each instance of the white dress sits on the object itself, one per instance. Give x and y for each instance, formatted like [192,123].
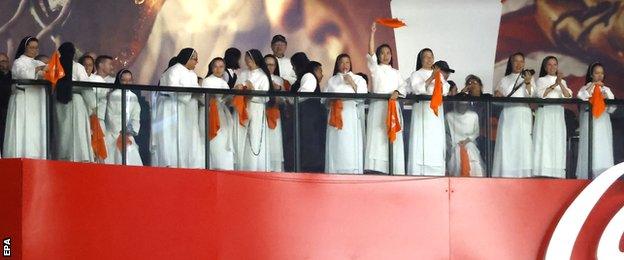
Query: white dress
[239,132]
[256,156]
[549,133]
[513,154]
[274,137]
[221,146]
[427,144]
[343,149]
[385,80]
[175,132]
[602,133]
[25,135]
[73,135]
[461,127]
[113,128]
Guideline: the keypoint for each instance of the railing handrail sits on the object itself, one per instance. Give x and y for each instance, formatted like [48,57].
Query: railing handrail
[200,90]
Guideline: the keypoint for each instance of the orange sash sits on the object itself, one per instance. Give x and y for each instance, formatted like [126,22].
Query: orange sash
[55,70]
[390,22]
[436,98]
[392,120]
[335,115]
[597,102]
[240,104]
[214,124]
[464,161]
[120,141]
[273,114]
[97,138]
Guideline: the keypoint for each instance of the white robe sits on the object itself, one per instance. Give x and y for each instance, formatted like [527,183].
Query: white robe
[274,137]
[176,139]
[343,149]
[73,135]
[461,127]
[286,70]
[239,132]
[549,133]
[101,96]
[602,136]
[25,135]
[255,155]
[427,144]
[385,81]
[221,146]
[113,128]
[513,154]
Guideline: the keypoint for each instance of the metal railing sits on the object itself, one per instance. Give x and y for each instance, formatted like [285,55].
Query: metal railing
[488,101]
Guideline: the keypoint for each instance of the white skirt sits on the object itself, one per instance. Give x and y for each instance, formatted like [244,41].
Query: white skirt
[377,140]
[513,154]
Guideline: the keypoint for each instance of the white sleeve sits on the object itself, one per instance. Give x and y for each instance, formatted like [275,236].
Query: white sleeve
[417,84]
[22,70]
[371,61]
[583,93]
[565,85]
[361,84]
[135,114]
[308,83]
[540,88]
[475,130]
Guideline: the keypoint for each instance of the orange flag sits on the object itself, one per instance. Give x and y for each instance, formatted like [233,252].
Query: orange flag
[392,120]
[597,102]
[55,70]
[464,161]
[335,116]
[214,124]
[273,114]
[240,105]
[436,98]
[390,22]
[120,141]
[97,138]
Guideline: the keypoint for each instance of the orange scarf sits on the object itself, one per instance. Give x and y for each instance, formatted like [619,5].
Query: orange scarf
[392,120]
[240,104]
[390,22]
[120,141]
[97,138]
[335,115]
[597,102]
[55,70]
[464,161]
[214,124]
[273,114]
[436,98]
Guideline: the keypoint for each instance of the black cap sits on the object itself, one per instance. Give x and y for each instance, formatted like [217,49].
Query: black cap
[443,66]
[278,38]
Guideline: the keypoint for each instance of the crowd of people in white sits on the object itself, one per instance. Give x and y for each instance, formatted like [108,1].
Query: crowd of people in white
[336,135]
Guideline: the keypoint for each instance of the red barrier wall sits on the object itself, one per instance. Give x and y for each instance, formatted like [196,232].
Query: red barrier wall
[87,211]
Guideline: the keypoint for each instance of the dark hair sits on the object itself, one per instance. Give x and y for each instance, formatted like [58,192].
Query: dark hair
[364,76]
[277,68]
[232,57]
[119,74]
[83,59]
[337,64]
[64,85]
[419,58]
[590,71]
[185,55]
[211,65]
[509,68]
[544,62]
[100,59]
[378,52]
[313,66]
[301,64]
[278,38]
[475,77]
[21,49]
